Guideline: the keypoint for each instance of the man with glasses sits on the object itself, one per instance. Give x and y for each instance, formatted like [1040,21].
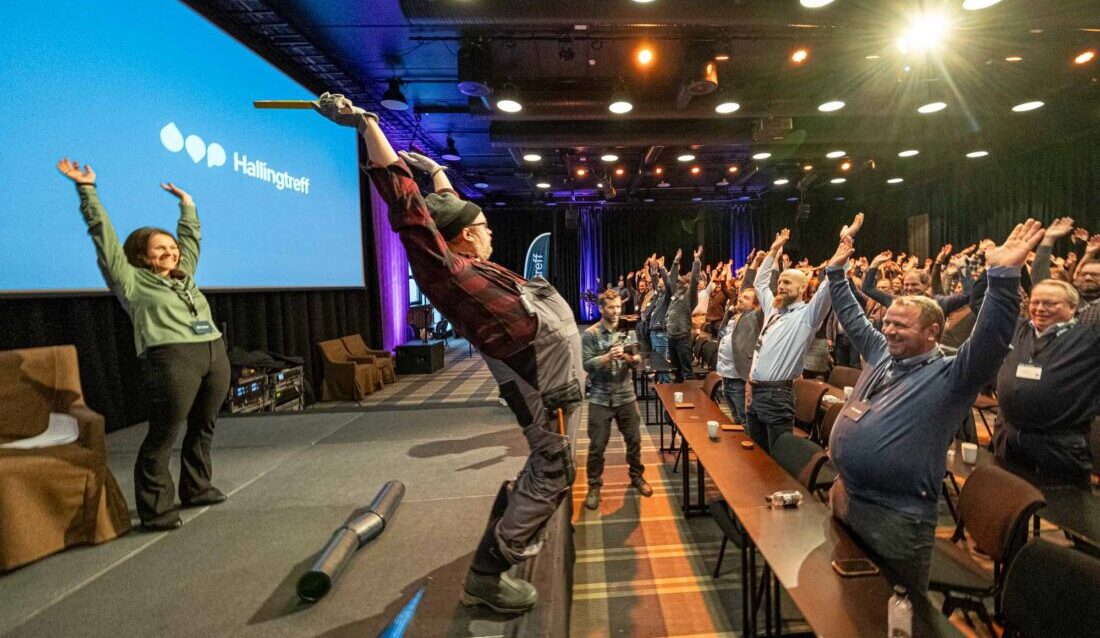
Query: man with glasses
[1048,388]
[524,330]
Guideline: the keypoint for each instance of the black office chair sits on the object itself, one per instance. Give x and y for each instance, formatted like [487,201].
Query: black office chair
[806,461]
[1050,592]
[995,507]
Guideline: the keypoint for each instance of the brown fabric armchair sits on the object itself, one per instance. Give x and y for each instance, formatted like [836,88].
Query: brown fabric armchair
[345,379]
[382,359]
[55,497]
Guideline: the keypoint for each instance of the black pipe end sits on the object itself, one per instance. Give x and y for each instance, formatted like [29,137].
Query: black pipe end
[313,586]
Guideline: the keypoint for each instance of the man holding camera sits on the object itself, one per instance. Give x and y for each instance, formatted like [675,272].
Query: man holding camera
[608,357]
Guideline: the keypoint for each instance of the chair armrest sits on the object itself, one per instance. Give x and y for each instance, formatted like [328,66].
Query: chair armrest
[386,354]
[92,426]
[362,360]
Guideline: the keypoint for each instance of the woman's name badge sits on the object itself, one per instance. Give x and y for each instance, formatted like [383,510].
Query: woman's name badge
[201,327]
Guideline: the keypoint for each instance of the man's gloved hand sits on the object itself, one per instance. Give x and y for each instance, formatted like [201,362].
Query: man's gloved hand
[420,162]
[339,109]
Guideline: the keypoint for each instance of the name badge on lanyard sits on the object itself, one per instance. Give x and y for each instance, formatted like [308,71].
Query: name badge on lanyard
[856,410]
[1029,371]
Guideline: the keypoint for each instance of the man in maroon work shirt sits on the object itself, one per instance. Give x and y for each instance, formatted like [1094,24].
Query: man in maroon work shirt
[523,329]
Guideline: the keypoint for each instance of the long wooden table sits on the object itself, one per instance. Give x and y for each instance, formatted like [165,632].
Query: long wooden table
[797,545]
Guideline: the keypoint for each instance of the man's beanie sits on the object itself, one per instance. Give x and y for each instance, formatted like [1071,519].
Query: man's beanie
[450,213]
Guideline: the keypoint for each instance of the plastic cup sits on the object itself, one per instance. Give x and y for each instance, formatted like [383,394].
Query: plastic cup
[969,452]
[712,430]
[678,397]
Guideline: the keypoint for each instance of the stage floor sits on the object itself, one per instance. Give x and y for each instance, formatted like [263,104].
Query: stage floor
[292,479]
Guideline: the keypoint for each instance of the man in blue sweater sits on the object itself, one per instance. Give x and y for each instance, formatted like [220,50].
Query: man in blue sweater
[890,442]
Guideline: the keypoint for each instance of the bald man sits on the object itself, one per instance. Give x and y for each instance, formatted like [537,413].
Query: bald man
[789,327]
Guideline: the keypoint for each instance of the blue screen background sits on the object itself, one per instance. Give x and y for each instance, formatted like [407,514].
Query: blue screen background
[97,82]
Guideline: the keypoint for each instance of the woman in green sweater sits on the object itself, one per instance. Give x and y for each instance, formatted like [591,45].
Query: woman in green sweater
[187,371]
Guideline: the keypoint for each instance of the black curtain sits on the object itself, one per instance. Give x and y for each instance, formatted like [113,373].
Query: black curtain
[515,228]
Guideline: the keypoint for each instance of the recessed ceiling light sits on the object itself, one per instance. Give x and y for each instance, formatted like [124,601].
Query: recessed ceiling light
[829,107]
[659,170]
[846,165]
[648,1]
[532,157]
[909,153]
[894,180]
[781,181]
[814,4]
[808,167]
[836,154]
[925,33]
[871,57]
[732,169]
[500,203]
[744,198]
[481,185]
[610,157]
[645,56]
[695,170]
[619,171]
[727,107]
[977,154]
[663,184]
[932,107]
[792,199]
[509,105]
[686,157]
[1013,58]
[799,56]
[974,5]
[722,182]
[1027,106]
[1085,57]
[599,184]
[582,171]
[551,203]
[696,199]
[761,156]
[837,180]
[648,200]
[543,185]
[619,107]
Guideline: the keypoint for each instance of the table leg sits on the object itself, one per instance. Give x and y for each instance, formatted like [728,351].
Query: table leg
[685,478]
[700,480]
[746,595]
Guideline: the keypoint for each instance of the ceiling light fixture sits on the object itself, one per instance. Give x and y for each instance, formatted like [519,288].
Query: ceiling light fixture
[895,180]
[1013,58]
[481,185]
[932,107]
[836,154]
[829,107]
[762,156]
[808,167]
[500,203]
[975,5]
[1027,106]
[909,153]
[871,57]
[695,170]
[846,165]
[599,184]
[451,153]
[837,180]
[532,157]
[925,33]
[473,70]
[697,199]
[722,183]
[644,56]
[732,169]
[815,4]
[1085,57]
[393,99]
[799,56]
[781,181]
[686,157]
[659,170]
[977,154]
[543,185]
[610,157]
[619,171]
[581,172]
[663,184]
[508,101]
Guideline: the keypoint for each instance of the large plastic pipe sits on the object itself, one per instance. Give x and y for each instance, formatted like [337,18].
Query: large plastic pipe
[347,539]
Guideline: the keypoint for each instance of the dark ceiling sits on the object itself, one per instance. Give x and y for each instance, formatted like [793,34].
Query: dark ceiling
[565,58]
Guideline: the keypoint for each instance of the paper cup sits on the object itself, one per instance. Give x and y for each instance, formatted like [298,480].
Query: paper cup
[969,452]
[678,397]
[712,430]
[848,390]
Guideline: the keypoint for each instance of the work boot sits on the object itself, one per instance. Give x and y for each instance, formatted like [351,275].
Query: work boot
[500,592]
[592,501]
[642,486]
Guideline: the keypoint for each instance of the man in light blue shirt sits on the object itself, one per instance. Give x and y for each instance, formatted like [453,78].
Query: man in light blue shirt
[789,327]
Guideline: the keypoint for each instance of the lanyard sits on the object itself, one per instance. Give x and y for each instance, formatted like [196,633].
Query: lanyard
[775,316]
[877,386]
[184,293]
[1043,342]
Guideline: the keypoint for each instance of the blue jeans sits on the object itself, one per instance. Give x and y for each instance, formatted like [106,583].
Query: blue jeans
[659,340]
[734,390]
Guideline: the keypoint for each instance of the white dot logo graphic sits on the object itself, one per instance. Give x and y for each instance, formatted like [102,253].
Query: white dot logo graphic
[196,148]
[215,155]
[171,138]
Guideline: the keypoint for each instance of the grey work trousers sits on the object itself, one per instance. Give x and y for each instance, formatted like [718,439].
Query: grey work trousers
[552,361]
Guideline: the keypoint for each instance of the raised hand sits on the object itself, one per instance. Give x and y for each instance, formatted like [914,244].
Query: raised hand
[1022,240]
[780,239]
[183,195]
[881,258]
[1079,234]
[630,275]
[339,109]
[679,254]
[850,230]
[1058,229]
[1094,245]
[72,170]
[699,252]
[945,252]
[758,259]
[420,162]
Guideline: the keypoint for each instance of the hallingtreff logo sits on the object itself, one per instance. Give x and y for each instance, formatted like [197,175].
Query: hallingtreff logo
[197,149]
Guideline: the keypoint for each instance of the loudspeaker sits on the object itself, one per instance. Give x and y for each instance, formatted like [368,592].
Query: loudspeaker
[419,357]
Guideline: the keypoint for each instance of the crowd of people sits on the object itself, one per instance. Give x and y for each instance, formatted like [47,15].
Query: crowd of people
[1009,319]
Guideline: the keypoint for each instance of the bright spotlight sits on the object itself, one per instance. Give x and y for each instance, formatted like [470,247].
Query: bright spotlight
[909,153]
[619,171]
[895,180]
[799,56]
[732,169]
[932,107]
[925,33]
[837,180]
[781,181]
[1085,57]
[582,171]
[1027,106]
[610,157]
[761,156]
[977,154]
[644,56]
[829,107]
[846,165]
[543,185]
[835,154]
[620,107]
[686,157]
[695,170]
[532,157]
[815,4]
[727,107]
